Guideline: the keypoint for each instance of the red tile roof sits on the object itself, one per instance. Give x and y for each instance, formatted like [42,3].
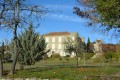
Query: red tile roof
[98,41]
[57,33]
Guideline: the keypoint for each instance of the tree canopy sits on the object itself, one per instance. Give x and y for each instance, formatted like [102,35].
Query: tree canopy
[15,14]
[105,12]
[31,47]
[76,46]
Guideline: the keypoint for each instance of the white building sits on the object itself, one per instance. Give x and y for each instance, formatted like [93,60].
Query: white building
[55,42]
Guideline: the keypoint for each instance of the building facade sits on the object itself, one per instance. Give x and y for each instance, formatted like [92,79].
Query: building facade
[56,42]
[97,46]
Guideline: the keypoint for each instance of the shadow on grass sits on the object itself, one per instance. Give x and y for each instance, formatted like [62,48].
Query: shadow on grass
[55,66]
[51,67]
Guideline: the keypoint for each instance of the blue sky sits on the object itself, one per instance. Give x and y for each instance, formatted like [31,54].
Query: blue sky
[60,19]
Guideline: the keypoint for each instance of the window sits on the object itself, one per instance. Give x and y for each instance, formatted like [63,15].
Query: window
[59,46]
[47,46]
[73,38]
[59,39]
[53,39]
[53,46]
[47,39]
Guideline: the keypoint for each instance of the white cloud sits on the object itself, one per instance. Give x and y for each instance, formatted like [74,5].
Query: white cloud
[53,6]
[67,18]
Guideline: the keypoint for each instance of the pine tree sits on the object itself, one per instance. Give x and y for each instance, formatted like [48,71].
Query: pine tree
[31,47]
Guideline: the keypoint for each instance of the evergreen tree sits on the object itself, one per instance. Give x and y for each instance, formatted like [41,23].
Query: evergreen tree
[31,47]
[13,15]
[88,45]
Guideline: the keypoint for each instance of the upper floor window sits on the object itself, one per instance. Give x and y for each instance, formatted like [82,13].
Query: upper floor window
[53,39]
[47,39]
[59,39]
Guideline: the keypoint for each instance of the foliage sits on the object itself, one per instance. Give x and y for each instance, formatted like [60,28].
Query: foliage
[105,12]
[109,47]
[69,45]
[81,73]
[118,50]
[98,59]
[18,12]
[55,55]
[109,12]
[7,56]
[15,14]
[111,56]
[88,55]
[89,46]
[31,47]
[74,46]
[2,49]
[67,57]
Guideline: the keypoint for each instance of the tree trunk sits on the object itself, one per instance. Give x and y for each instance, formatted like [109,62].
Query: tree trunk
[77,60]
[84,58]
[1,66]
[15,55]
[1,62]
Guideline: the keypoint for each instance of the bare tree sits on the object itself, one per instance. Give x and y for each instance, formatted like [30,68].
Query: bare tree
[15,14]
[1,59]
[1,66]
[74,46]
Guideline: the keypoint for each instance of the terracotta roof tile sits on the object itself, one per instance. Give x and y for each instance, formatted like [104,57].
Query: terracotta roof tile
[98,41]
[57,33]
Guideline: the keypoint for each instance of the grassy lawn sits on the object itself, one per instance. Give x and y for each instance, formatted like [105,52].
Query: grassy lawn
[71,73]
[67,70]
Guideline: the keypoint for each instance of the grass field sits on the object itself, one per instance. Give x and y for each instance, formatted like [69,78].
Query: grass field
[71,73]
[67,70]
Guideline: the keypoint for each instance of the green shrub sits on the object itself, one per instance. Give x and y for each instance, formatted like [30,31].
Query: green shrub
[67,57]
[55,55]
[86,55]
[98,58]
[89,55]
[111,56]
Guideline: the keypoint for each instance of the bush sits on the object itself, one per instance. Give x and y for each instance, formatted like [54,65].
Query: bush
[98,59]
[86,55]
[55,55]
[110,55]
[67,57]
[89,55]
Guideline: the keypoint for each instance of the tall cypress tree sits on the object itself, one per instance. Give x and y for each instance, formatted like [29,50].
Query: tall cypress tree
[88,45]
